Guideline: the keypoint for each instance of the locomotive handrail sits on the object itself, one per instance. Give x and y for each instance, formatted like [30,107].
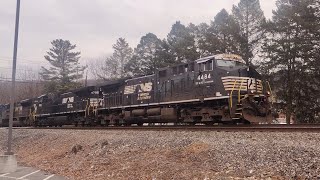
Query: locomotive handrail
[32,115]
[239,94]
[86,109]
[239,91]
[271,94]
[232,92]
[95,108]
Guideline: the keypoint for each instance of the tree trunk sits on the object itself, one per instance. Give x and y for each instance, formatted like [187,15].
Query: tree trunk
[288,113]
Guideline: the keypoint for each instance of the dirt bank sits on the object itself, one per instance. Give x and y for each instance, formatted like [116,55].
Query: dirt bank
[116,154]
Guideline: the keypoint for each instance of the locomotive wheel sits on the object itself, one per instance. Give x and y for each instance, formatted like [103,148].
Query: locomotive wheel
[140,124]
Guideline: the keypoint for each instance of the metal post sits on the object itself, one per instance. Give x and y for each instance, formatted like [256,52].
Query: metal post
[13,85]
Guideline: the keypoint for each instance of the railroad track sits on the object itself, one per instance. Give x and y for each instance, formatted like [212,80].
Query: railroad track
[234,128]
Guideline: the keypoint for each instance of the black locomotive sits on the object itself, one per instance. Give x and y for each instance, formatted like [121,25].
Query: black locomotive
[214,89]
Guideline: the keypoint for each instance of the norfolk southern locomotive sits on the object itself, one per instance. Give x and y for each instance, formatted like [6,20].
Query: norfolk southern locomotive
[214,89]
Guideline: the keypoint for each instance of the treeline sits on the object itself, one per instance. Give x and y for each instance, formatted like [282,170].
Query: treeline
[28,85]
[24,90]
[291,57]
[240,32]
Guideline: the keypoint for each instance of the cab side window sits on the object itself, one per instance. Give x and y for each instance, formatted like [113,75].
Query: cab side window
[209,65]
[206,66]
[174,70]
[202,66]
[181,69]
[191,67]
[162,73]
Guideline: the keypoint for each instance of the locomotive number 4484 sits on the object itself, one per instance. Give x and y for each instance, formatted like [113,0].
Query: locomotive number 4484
[204,78]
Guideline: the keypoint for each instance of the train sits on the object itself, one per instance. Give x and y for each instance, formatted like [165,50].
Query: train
[218,89]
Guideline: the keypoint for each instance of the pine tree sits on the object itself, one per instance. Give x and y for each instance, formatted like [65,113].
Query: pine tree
[292,51]
[202,36]
[145,60]
[182,43]
[165,54]
[65,68]
[227,31]
[250,18]
[149,55]
[115,65]
[220,37]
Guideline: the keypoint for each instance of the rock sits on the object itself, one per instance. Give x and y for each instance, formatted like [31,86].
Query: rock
[104,143]
[76,148]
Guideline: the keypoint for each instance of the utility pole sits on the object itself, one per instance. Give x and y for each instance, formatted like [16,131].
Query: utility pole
[13,84]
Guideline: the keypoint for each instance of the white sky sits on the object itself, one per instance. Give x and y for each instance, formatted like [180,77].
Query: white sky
[94,25]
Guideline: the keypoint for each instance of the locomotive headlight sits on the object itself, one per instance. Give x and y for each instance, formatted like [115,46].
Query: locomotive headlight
[268,93]
[251,92]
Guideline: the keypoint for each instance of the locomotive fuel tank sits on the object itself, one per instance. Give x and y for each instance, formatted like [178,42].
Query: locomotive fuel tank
[154,111]
[139,112]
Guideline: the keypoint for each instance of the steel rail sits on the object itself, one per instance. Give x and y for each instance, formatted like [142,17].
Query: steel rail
[253,128]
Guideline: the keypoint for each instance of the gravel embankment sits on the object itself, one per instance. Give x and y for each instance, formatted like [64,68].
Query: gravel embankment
[116,154]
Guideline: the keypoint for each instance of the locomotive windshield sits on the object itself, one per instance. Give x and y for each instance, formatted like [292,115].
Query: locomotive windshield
[229,63]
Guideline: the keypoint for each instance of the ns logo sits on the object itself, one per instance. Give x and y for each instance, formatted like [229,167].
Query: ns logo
[144,91]
[145,87]
[138,88]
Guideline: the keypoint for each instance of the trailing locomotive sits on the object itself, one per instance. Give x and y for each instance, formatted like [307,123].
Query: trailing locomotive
[214,89]
[21,113]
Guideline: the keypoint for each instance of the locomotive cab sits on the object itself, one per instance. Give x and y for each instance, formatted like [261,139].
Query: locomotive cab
[25,112]
[205,68]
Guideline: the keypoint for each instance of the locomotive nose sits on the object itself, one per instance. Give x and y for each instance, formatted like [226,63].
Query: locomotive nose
[249,72]
[243,72]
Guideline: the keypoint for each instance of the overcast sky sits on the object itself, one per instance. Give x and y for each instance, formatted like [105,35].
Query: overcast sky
[94,25]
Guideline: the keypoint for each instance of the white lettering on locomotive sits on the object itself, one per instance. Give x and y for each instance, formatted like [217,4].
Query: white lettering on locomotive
[95,92]
[204,78]
[143,96]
